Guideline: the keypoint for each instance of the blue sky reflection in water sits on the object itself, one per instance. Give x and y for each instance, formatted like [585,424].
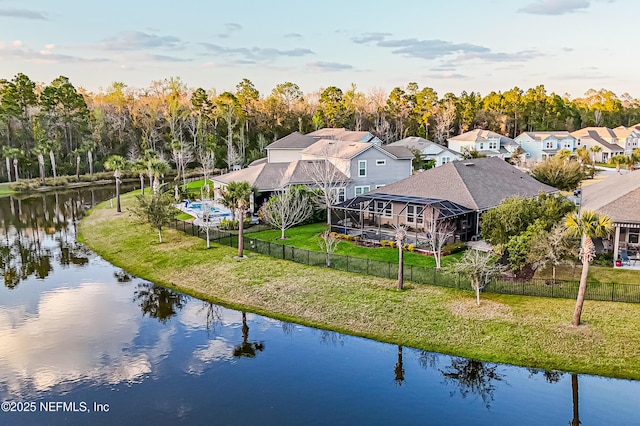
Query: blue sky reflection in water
[86,333]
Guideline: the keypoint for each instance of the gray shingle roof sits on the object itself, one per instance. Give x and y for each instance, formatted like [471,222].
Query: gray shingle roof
[295,140]
[271,176]
[478,184]
[617,196]
[397,151]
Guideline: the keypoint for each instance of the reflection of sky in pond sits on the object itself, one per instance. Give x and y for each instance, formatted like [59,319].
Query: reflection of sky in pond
[160,358]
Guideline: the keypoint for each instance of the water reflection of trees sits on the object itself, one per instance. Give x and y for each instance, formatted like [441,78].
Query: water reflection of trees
[29,226]
[158,302]
[398,369]
[247,348]
[473,377]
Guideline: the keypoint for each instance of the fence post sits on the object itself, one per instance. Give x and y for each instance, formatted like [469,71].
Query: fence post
[410,272]
[308,260]
[613,288]
[283,249]
[367,266]
[347,263]
[388,269]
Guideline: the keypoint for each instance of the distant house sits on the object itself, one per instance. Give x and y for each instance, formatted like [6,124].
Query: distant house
[544,145]
[460,191]
[618,196]
[603,138]
[345,135]
[627,137]
[429,150]
[486,142]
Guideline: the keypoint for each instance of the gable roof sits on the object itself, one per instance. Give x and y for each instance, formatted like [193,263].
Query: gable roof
[336,148]
[603,132]
[477,184]
[541,136]
[295,140]
[415,142]
[595,136]
[480,135]
[271,176]
[618,196]
[342,134]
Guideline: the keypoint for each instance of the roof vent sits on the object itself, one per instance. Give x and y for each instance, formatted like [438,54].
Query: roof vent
[468,164]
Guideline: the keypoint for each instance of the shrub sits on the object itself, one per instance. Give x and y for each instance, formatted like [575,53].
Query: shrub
[452,248]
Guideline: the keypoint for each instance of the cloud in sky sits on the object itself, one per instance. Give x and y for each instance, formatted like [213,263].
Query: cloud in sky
[22,14]
[329,66]
[423,49]
[555,7]
[137,40]
[255,54]
[446,76]
[17,52]
[293,35]
[230,28]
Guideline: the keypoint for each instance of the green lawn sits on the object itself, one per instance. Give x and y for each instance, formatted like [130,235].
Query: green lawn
[306,237]
[600,274]
[529,331]
[5,190]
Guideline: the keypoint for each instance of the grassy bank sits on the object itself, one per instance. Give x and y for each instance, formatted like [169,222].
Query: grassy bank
[527,331]
[5,189]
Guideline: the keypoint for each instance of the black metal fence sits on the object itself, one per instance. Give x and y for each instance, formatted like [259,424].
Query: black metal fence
[419,274]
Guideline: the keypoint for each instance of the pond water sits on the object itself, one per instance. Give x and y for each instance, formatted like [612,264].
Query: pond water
[82,342]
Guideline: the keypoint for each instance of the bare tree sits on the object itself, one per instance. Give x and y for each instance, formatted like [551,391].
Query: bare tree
[444,117]
[479,267]
[328,179]
[551,248]
[328,243]
[206,156]
[438,232]
[287,207]
[204,221]
[182,155]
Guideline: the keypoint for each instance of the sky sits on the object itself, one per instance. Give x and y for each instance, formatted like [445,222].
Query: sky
[569,46]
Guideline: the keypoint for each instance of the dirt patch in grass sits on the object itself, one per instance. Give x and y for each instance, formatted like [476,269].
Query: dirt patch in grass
[488,310]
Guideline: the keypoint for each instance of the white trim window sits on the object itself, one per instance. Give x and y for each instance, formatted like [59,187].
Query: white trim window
[384,208]
[411,214]
[362,189]
[339,194]
[548,145]
[445,160]
[381,162]
[493,145]
[362,168]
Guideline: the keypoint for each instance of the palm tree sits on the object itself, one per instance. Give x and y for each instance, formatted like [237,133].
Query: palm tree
[401,234]
[237,196]
[40,150]
[586,225]
[595,149]
[118,165]
[140,167]
[157,168]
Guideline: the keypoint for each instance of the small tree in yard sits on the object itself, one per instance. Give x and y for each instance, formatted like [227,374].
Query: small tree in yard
[438,232]
[552,249]
[479,268]
[204,221]
[586,225]
[327,178]
[328,243]
[157,211]
[287,207]
[237,197]
[401,234]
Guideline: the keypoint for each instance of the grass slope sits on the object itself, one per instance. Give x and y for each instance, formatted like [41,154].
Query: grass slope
[528,331]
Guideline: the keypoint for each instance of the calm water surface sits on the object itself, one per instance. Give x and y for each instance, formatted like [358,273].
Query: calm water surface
[81,342]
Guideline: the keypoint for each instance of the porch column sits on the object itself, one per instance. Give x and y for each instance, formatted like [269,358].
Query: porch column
[616,244]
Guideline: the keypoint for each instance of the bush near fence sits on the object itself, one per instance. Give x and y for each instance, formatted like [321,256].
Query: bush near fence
[614,292]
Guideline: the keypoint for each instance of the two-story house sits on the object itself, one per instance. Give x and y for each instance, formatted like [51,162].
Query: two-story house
[429,150]
[485,142]
[601,141]
[366,165]
[544,145]
[357,167]
[627,137]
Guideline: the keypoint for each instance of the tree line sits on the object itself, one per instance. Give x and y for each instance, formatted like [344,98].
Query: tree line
[58,129]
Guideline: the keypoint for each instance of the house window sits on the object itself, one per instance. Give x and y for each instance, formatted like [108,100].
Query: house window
[634,233]
[384,208]
[548,145]
[493,145]
[411,214]
[380,162]
[339,194]
[362,168]
[362,190]
[481,146]
[446,160]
